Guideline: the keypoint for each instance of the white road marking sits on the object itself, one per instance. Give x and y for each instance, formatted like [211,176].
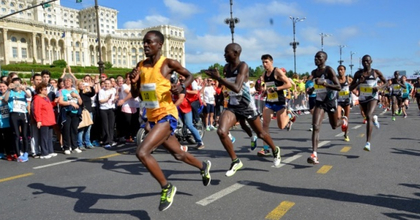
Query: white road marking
[68,161]
[221,193]
[322,143]
[55,164]
[236,186]
[356,127]
[288,160]
[340,134]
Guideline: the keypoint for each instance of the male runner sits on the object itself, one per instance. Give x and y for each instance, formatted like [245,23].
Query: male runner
[151,78]
[366,81]
[241,105]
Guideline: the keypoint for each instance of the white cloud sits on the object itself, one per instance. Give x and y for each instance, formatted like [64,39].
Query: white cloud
[148,21]
[180,8]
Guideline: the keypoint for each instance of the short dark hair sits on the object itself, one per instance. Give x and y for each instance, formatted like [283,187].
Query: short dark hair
[266,57]
[45,72]
[40,86]
[158,34]
[36,74]
[16,79]
[341,66]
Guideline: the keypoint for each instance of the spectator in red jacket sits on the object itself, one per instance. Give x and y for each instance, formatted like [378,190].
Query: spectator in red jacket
[45,119]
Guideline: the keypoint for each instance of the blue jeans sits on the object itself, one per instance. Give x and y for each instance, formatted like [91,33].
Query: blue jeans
[187,119]
[84,132]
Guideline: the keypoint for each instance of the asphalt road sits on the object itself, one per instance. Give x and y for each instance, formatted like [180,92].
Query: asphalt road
[349,183]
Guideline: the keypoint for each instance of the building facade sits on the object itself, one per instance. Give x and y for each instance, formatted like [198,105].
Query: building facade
[43,35]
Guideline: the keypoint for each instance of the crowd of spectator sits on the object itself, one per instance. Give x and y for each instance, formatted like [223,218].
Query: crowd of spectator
[37,114]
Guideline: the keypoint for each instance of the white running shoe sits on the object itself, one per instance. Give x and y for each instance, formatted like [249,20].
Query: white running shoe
[234,166]
[367,147]
[277,157]
[375,122]
[78,150]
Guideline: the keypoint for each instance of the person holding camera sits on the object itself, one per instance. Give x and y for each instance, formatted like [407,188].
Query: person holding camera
[16,97]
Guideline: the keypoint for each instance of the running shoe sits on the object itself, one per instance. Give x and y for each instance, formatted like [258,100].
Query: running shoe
[212,128]
[233,139]
[254,142]
[12,157]
[208,129]
[45,157]
[313,159]
[364,121]
[53,154]
[311,129]
[234,166]
[393,118]
[77,150]
[206,174]
[376,122]
[344,126]
[277,157]
[23,158]
[289,126]
[367,147]
[346,138]
[264,153]
[167,197]
[405,116]
[200,146]
[400,112]
[67,152]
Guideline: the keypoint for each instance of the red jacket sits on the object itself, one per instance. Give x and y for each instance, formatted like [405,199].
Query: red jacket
[43,111]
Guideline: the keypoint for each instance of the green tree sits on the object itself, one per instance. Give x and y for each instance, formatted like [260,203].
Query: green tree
[108,65]
[259,70]
[60,63]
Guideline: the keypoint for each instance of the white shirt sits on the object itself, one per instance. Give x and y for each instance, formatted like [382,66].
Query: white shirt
[209,93]
[104,94]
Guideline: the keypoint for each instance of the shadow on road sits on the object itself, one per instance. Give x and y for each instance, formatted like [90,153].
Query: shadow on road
[86,200]
[395,202]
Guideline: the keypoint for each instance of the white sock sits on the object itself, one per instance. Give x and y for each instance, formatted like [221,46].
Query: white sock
[315,154]
[230,136]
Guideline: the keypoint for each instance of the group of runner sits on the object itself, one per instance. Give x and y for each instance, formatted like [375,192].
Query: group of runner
[329,93]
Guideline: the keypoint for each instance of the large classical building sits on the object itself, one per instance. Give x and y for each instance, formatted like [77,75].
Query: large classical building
[43,35]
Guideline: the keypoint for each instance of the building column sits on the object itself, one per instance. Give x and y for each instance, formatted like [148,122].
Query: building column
[43,49]
[6,46]
[34,54]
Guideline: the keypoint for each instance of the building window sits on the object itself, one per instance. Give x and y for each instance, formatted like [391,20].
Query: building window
[23,40]
[24,53]
[133,60]
[77,56]
[14,39]
[15,52]
[12,4]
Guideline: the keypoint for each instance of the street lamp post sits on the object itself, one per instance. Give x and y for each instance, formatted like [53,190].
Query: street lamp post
[341,50]
[322,40]
[232,21]
[294,44]
[100,62]
[351,62]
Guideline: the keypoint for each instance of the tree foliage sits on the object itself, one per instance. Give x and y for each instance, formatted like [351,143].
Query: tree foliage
[60,63]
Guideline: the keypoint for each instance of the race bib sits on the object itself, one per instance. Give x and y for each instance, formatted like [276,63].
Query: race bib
[19,106]
[344,94]
[149,96]
[405,91]
[418,90]
[365,90]
[396,87]
[4,111]
[273,96]
[320,88]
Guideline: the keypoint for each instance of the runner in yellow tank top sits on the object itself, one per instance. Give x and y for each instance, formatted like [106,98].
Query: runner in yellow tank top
[151,79]
[155,92]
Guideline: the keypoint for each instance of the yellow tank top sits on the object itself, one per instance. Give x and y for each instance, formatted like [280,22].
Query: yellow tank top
[155,92]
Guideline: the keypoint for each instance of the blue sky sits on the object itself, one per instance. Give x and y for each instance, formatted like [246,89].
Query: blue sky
[388,30]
